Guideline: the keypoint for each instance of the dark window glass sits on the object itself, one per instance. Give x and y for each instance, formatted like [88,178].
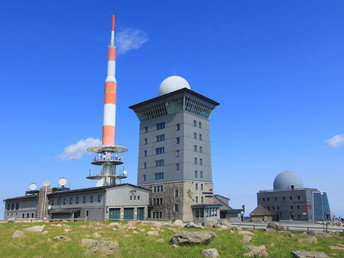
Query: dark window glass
[160,126]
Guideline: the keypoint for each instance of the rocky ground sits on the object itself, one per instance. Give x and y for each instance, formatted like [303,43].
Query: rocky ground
[162,239]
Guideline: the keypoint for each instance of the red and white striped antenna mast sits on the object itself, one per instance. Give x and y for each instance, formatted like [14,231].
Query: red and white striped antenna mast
[108,175]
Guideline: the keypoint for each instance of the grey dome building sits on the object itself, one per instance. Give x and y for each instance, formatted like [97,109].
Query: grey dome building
[290,200]
[287,180]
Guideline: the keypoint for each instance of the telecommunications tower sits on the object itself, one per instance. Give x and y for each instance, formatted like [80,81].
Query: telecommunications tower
[106,151]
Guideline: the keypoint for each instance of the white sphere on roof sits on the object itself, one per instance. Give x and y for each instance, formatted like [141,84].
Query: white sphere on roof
[287,180]
[173,83]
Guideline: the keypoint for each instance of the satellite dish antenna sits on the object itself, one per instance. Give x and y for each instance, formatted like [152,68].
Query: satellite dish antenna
[63,181]
[125,172]
[46,183]
[33,187]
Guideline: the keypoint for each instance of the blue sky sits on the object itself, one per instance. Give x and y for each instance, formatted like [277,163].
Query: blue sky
[276,67]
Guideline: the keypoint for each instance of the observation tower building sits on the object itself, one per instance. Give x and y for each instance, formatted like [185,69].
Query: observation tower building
[174,152]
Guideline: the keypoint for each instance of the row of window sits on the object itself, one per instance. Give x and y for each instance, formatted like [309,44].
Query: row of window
[158,188]
[199,136]
[12,206]
[157,214]
[277,207]
[199,124]
[283,198]
[160,175]
[196,199]
[200,149]
[157,201]
[133,197]
[196,187]
[77,200]
[200,174]
[200,161]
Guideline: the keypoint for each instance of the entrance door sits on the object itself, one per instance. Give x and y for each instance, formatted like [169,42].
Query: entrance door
[140,213]
[129,213]
[114,214]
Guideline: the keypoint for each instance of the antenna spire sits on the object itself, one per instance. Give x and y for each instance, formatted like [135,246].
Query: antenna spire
[113,31]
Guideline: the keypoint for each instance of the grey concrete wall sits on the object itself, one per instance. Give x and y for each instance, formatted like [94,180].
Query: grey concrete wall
[26,207]
[286,209]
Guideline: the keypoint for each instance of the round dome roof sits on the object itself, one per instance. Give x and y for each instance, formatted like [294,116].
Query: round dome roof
[173,83]
[287,180]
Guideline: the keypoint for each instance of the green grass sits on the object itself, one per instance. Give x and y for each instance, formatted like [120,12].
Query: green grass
[140,245]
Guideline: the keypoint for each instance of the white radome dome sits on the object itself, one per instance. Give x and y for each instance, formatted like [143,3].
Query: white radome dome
[173,83]
[287,180]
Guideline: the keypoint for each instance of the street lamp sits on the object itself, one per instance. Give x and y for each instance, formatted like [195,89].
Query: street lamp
[322,209]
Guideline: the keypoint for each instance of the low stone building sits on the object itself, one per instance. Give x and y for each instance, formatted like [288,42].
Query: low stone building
[118,202]
[260,214]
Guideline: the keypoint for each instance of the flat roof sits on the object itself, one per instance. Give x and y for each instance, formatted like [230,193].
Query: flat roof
[171,94]
[22,197]
[94,189]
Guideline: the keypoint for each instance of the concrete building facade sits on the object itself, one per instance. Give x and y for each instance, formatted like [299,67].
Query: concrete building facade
[119,202]
[174,153]
[289,200]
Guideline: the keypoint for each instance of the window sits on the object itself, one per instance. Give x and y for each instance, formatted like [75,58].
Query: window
[298,197]
[283,198]
[291,198]
[177,153]
[177,166]
[291,207]
[144,178]
[201,161]
[138,197]
[131,197]
[99,197]
[77,200]
[160,126]
[86,213]
[134,197]
[70,200]
[263,199]
[202,187]
[201,174]
[178,127]
[84,199]
[176,193]
[196,186]
[12,206]
[200,124]
[160,138]
[52,202]
[196,173]
[275,199]
[200,149]
[298,207]
[196,199]
[159,175]
[161,188]
[200,137]
[91,200]
[145,153]
[155,189]
[195,135]
[17,206]
[31,215]
[146,140]
[158,188]
[159,163]
[195,123]
[27,215]
[58,201]
[146,129]
[176,207]
[195,148]
[268,199]
[8,206]
[177,140]
[160,150]
[23,215]
[144,164]
[195,161]
[202,199]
